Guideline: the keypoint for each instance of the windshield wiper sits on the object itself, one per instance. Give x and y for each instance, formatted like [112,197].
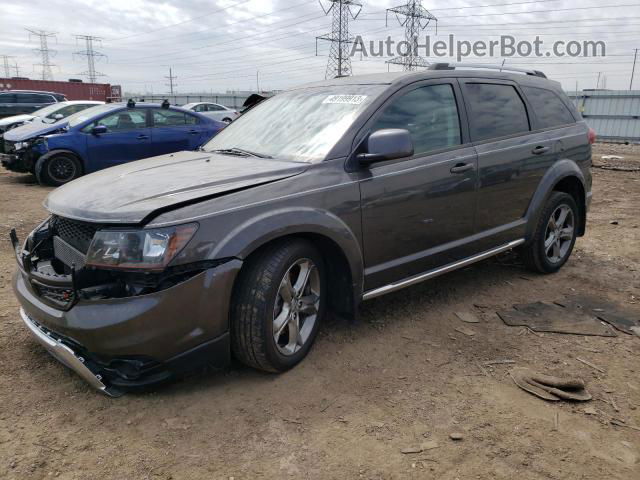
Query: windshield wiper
[240,152]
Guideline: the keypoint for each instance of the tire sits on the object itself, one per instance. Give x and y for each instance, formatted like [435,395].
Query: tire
[58,170]
[259,306]
[559,239]
[227,120]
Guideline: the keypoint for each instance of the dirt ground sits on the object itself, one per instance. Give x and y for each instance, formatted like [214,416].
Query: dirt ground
[402,377]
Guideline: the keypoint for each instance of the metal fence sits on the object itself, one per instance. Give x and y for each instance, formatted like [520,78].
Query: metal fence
[613,114]
[231,101]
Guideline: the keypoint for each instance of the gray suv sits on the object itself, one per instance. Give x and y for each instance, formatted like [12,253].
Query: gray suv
[313,201]
[18,102]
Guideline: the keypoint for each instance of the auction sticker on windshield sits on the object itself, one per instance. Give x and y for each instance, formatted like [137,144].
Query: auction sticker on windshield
[345,99]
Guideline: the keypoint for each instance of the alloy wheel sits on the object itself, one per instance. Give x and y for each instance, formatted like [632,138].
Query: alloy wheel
[61,169]
[296,308]
[559,234]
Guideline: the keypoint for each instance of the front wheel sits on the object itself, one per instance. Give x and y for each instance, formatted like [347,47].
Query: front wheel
[58,170]
[555,235]
[278,305]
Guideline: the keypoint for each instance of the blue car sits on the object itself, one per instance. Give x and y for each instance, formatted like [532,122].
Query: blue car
[102,137]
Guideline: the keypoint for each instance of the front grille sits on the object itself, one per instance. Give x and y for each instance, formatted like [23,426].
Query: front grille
[67,254]
[9,147]
[77,234]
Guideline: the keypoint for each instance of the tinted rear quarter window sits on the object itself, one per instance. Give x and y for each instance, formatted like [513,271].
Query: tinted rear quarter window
[35,98]
[496,111]
[548,107]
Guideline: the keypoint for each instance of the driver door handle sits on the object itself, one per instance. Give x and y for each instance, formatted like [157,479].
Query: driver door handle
[143,137]
[462,168]
[540,150]
[194,132]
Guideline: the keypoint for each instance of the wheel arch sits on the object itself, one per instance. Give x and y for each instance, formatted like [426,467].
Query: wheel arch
[333,238]
[41,161]
[564,176]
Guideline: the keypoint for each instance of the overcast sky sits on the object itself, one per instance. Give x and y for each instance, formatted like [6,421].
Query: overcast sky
[220,45]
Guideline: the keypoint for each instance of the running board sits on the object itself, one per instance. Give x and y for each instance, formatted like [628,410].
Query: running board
[392,287]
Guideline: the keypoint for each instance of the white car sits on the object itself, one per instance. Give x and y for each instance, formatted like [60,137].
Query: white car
[213,110]
[49,114]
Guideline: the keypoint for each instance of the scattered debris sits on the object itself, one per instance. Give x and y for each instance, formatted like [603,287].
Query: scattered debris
[590,411]
[499,362]
[467,317]
[556,422]
[611,157]
[621,423]
[589,364]
[465,331]
[548,387]
[614,222]
[606,311]
[635,330]
[456,436]
[420,448]
[545,317]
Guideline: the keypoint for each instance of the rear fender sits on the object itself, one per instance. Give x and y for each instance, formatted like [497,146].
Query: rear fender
[560,170]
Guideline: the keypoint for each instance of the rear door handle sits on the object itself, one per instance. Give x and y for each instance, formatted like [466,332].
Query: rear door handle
[194,132]
[540,150]
[143,137]
[462,168]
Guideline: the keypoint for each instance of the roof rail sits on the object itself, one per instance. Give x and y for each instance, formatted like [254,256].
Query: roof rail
[502,68]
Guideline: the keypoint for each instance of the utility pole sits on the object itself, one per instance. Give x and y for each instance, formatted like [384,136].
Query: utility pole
[16,68]
[598,82]
[5,61]
[171,79]
[633,71]
[416,18]
[339,64]
[258,81]
[44,52]
[91,55]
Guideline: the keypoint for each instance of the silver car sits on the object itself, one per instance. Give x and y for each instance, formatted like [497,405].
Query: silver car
[213,110]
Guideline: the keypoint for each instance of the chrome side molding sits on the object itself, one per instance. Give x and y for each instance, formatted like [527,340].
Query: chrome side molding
[421,277]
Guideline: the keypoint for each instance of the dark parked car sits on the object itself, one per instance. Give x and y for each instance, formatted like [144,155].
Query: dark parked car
[313,201]
[17,102]
[102,137]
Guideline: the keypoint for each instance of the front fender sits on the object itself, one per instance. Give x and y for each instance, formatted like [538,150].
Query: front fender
[247,237]
[560,170]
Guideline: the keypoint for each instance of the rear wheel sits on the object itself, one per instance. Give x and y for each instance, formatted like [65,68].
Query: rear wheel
[227,120]
[555,235]
[58,170]
[278,305]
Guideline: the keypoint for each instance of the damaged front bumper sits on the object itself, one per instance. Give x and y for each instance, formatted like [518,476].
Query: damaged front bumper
[131,343]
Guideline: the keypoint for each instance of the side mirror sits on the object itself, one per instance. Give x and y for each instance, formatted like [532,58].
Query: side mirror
[99,130]
[58,116]
[387,144]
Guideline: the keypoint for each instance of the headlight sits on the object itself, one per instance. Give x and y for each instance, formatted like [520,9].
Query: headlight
[139,249]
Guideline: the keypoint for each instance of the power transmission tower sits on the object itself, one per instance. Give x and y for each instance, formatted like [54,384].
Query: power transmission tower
[16,68]
[91,55]
[5,61]
[416,18]
[171,83]
[339,64]
[44,51]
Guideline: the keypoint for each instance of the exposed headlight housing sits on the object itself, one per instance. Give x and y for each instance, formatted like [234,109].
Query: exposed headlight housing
[149,250]
[21,145]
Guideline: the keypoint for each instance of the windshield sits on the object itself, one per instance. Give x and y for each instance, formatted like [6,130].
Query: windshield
[43,112]
[88,114]
[300,125]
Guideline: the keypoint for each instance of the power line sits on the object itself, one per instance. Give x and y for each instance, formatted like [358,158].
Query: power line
[44,51]
[416,18]
[339,63]
[91,55]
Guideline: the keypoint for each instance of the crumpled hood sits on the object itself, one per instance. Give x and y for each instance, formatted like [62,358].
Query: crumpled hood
[31,130]
[132,192]
[15,119]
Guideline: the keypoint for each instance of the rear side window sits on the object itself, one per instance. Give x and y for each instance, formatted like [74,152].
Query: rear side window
[496,111]
[172,118]
[214,108]
[548,107]
[429,113]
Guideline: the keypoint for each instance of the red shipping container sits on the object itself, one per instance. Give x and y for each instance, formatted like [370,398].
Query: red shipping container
[71,90]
